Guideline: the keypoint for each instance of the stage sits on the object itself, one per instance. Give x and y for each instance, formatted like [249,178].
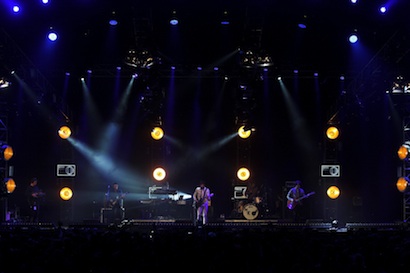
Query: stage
[147,225]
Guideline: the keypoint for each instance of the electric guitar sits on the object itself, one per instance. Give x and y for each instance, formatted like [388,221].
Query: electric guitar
[292,204]
[38,194]
[200,202]
[118,197]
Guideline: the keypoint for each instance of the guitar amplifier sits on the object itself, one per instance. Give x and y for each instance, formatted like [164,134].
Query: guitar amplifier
[105,215]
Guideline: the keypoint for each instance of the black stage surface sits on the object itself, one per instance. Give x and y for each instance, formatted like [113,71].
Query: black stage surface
[147,225]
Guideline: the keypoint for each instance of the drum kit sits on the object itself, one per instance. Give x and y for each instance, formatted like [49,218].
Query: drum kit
[250,210]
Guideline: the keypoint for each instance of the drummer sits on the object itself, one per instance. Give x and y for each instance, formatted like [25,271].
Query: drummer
[253,193]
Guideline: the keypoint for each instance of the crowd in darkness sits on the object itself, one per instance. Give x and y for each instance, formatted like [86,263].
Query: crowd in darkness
[202,249]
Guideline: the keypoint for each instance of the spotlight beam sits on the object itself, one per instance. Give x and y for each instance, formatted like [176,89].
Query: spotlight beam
[303,137]
[112,129]
[106,165]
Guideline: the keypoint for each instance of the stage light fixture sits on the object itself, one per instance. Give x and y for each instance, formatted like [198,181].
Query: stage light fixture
[10,185]
[402,184]
[264,59]
[248,59]
[403,151]
[113,19]
[174,20]
[52,35]
[225,19]
[353,38]
[159,174]
[66,193]
[64,132]
[6,152]
[332,132]
[157,133]
[244,133]
[303,22]
[255,59]
[400,86]
[141,59]
[4,83]
[407,87]
[333,192]
[243,174]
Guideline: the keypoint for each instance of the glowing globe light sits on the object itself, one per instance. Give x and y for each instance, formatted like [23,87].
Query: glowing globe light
[353,38]
[66,193]
[242,133]
[157,133]
[6,152]
[332,132]
[52,36]
[159,174]
[243,174]
[64,132]
[403,151]
[10,185]
[402,184]
[333,192]
[16,9]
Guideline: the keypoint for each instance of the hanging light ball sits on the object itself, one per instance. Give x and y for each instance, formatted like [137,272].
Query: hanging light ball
[243,174]
[66,193]
[332,132]
[402,184]
[159,174]
[333,192]
[242,133]
[157,133]
[64,132]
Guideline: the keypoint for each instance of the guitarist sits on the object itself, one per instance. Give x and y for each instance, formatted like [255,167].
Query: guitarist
[34,197]
[115,200]
[201,197]
[295,196]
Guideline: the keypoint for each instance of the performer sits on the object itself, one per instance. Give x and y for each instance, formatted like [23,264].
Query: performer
[201,197]
[295,196]
[252,192]
[34,195]
[115,201]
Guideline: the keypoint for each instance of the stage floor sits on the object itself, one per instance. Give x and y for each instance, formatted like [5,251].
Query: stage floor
[146,225]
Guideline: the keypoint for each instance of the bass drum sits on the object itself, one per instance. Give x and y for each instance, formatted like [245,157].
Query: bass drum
[250,211]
